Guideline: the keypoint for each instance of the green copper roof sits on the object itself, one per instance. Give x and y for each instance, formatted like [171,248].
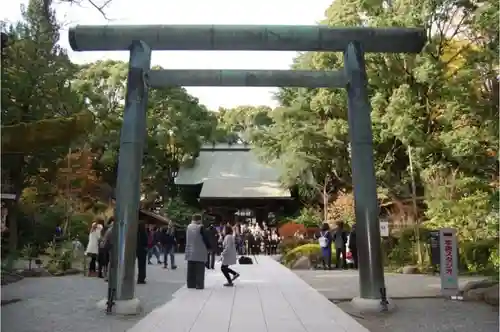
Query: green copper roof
[232,173]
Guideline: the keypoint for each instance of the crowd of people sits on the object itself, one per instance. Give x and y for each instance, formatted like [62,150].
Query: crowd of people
[344,241]
[204,244]
[151,241]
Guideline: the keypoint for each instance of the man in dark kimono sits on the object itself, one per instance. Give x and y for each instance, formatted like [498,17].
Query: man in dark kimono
[197,246]
[142,252]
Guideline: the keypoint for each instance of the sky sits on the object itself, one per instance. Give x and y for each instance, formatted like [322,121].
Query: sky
[272,12]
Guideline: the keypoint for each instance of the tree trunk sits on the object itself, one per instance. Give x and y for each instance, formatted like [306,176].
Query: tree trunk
[325,204]
[415,208]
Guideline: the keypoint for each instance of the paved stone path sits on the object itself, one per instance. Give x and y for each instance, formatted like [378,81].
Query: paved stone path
[68,304]
[267,297]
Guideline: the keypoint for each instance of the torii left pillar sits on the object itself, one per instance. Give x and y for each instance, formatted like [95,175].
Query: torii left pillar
[132,137]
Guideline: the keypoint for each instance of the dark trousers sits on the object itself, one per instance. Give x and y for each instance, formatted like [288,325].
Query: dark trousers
[227,272]
[354,252]
[210,264]
[169,250]
[326,260]
[102,261]
[92,264]
[154,250]
[195,275]
[141,264]
[341,262]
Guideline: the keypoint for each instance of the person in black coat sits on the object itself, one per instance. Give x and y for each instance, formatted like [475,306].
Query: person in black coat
[340,241]
[353,247]
[169,243]
[142,252]
[213,239]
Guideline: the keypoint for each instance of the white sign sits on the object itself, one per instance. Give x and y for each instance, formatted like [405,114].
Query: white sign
[448,261]
[384,228]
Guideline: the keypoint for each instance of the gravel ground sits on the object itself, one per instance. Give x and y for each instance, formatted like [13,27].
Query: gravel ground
[430,315]
[64,304]
[418,307]
[344,284]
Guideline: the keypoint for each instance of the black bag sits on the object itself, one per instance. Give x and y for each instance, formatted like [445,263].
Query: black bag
[244,260]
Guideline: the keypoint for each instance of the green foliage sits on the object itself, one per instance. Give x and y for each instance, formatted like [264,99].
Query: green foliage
[36,93]
[441,105]
[178,211]
[290,243]
[79,226]
[38,227]
[176,126]
[462,202]
[480,256]
[309,218]
[60,257]
[476,257]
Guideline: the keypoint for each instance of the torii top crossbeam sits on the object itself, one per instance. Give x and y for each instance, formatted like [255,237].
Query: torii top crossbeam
[246,38]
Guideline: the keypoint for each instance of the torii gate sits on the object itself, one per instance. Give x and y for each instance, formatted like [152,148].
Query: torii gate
[141,40]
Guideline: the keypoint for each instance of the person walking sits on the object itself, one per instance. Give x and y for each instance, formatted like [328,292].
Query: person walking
[93,246]
[325,243]
[197,246]
[153,241]
[340,240]
[228,256]
[353,247]
[141,252]
[213,238]
[169,243]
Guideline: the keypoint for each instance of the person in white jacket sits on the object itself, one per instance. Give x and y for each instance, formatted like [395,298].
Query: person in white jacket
[93,246]
[228,256]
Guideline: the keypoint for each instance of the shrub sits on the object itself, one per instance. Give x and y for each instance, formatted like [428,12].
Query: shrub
[402,249]
[311,250]
[80,225]
[290,243]
[60,257]
[479,256]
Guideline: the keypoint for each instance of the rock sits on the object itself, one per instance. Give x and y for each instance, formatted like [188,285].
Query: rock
[410,269]
[476,294]
[491,295]
[485,283]
[302,263]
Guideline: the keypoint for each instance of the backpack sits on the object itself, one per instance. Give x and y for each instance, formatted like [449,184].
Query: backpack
[244,260]
[323,240]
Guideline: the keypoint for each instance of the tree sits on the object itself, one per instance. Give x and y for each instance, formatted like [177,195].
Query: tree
[234,124]
[176,126]
[40,110]
[311,152]
[442,104]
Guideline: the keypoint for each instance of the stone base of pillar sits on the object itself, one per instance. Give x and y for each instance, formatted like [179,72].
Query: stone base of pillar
[371,305]
[123,308]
